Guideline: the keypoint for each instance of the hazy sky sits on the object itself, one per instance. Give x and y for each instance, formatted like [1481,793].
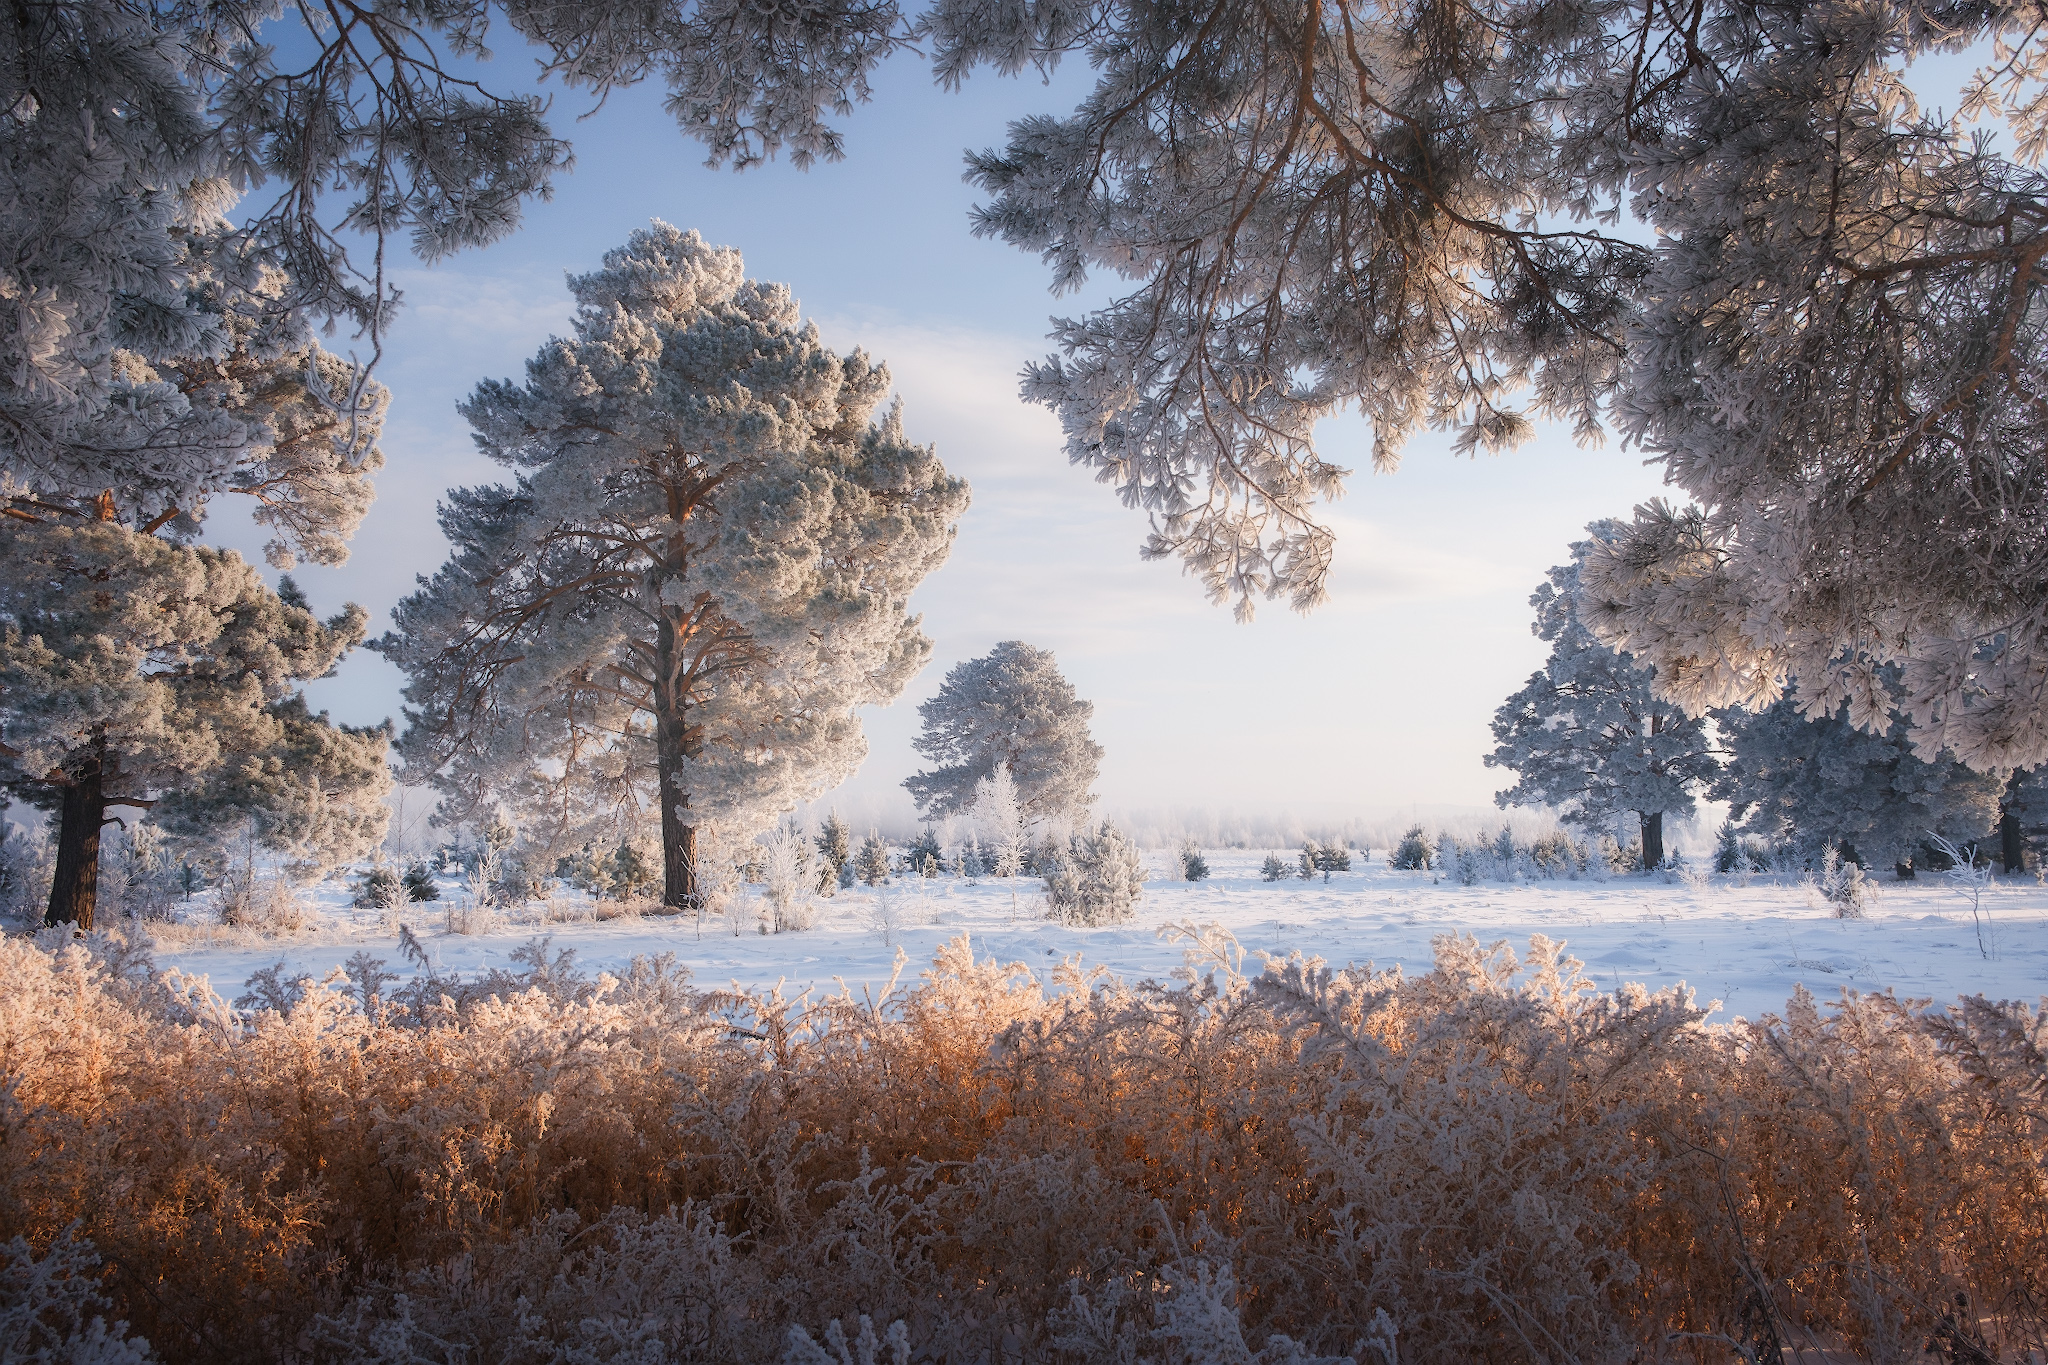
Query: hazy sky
[1379,700]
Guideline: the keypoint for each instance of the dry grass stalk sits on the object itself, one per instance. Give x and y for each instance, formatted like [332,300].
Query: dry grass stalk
[1494,1161]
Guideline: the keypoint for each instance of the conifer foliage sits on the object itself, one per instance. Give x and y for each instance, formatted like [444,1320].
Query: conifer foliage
[697,575]
[1821,781]
[1589,733]
[138,672]
[1011,708]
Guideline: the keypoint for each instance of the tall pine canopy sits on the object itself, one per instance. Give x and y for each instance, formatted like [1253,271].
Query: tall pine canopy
[697,575]
[1588,733]
[1012,708]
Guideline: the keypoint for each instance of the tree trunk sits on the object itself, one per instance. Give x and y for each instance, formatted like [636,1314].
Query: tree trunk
[2012,846]
[678,837]
[75,889]
[679,889]
[1653,838]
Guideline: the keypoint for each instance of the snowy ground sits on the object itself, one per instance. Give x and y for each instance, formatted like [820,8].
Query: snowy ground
[1745,945]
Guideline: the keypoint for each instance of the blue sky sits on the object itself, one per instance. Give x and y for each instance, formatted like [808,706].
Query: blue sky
[1376,702]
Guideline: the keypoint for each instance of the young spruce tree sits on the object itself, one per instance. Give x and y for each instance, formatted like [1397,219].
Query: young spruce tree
[698,574]
[1587,733]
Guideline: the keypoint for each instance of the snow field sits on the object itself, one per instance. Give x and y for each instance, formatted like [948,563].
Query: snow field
[1746,942]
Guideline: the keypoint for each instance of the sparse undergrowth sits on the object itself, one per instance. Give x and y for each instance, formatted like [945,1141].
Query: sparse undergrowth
[1493,1162]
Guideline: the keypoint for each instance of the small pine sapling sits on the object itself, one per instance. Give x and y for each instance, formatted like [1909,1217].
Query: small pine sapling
[1193,866]
[1843,885]
[1274,869]
[1305,861]
[633,872]
[1415,852]
[378,890]
[973,864]
[419,883]
[1098,880]
[1504,851]
[871,864]
[926,856]
[1332,858]
[835,848]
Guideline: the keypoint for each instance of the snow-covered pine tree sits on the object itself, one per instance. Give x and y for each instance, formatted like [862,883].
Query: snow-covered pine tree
[1822,782]
[1193,866]
[1097,880]
[139,672]
[1589,734]
[1011,708]
[1832,340]
[835,851]
[926,855]
[871,862]
[698,575]
[1742,347]
[1274,868]
[1415,852]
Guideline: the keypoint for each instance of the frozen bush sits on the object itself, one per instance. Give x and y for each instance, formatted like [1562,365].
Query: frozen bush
[1735,851]
[27,861]
[1842,885]
[788,881]
[137,876]
[1492,1161]
[52,1311]
[1193,866]
[1274,868]
[1099,879]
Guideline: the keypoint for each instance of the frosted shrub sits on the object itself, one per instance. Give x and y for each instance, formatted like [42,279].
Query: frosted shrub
[51,1308]
[1098,881]
[265,902]
[1192,866]
[136,874]
[1735,851]
[1972,878]
[1274,868]
[789,882]
[999,819]
[1554,855]
[27,861]
[1841,883]
[1415,853]
[1504,1162]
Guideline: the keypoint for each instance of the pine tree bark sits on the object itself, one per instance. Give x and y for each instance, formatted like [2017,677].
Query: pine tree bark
[75,887]
[1653,838]
[679,889]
